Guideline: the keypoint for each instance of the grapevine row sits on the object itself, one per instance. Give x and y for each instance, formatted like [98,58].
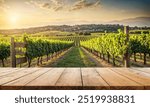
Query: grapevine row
[36,48]
[114,45]
[140,44]
[4,51]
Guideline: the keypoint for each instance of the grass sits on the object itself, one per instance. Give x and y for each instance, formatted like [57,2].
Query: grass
[75,58]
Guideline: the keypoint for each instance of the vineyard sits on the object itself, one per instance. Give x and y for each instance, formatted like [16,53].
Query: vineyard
[115,46]
[115,49]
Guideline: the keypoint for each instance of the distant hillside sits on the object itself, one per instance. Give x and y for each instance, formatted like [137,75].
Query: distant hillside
[85,28]
[138,21]
[66,28]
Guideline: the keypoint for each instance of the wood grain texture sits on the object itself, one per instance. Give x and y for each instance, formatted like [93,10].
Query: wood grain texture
[47,80]
[21,82]
[145,81]
[10,71]
[92,79]
[70,78]
[146,70]
[6,70]
[139,72]
[117,81]
[16,75]
[74,78]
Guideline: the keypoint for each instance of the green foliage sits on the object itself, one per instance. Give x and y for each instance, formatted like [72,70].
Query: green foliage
[39,47]
[114,44]
[4,50]
[140,43]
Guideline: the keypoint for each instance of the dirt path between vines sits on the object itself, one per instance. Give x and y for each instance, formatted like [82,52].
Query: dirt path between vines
[75,57]
[54,61]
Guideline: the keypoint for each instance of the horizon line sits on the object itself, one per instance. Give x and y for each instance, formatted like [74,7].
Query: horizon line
[68,25]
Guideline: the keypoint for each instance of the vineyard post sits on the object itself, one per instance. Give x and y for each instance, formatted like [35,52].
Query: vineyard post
[75,41]
[25,42]
[12,53]
[127,55]
[79,39]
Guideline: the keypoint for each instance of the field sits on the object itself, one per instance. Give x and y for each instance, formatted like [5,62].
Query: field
[65,49]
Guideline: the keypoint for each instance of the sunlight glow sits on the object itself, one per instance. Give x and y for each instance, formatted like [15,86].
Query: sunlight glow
[14,18]
[34,13]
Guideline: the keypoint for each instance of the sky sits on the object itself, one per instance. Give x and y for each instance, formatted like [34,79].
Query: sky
[31,13]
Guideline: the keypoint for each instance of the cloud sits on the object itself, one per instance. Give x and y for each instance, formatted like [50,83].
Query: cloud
[46,5]
[35,3]
[54,5]
[3,6]
[2,1]
[80,4]
[58,5]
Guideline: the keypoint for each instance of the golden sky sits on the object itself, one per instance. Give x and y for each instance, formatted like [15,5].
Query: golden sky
[30,13]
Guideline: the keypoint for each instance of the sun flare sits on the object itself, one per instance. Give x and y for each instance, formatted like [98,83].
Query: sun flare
[14,18]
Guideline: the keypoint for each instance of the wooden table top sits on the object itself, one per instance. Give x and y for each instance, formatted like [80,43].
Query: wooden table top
[75,78]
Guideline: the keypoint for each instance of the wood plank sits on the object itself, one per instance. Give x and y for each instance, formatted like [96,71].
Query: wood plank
[10,70]
[70,79]
[117,81]
[21,60]
[20,44]
[21,82]
[46,81]
[146,70]
[16,75]
[73,78]
[6,70]
[12,53]
[135,77]
[19,52]
[92,79]
[139,72]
